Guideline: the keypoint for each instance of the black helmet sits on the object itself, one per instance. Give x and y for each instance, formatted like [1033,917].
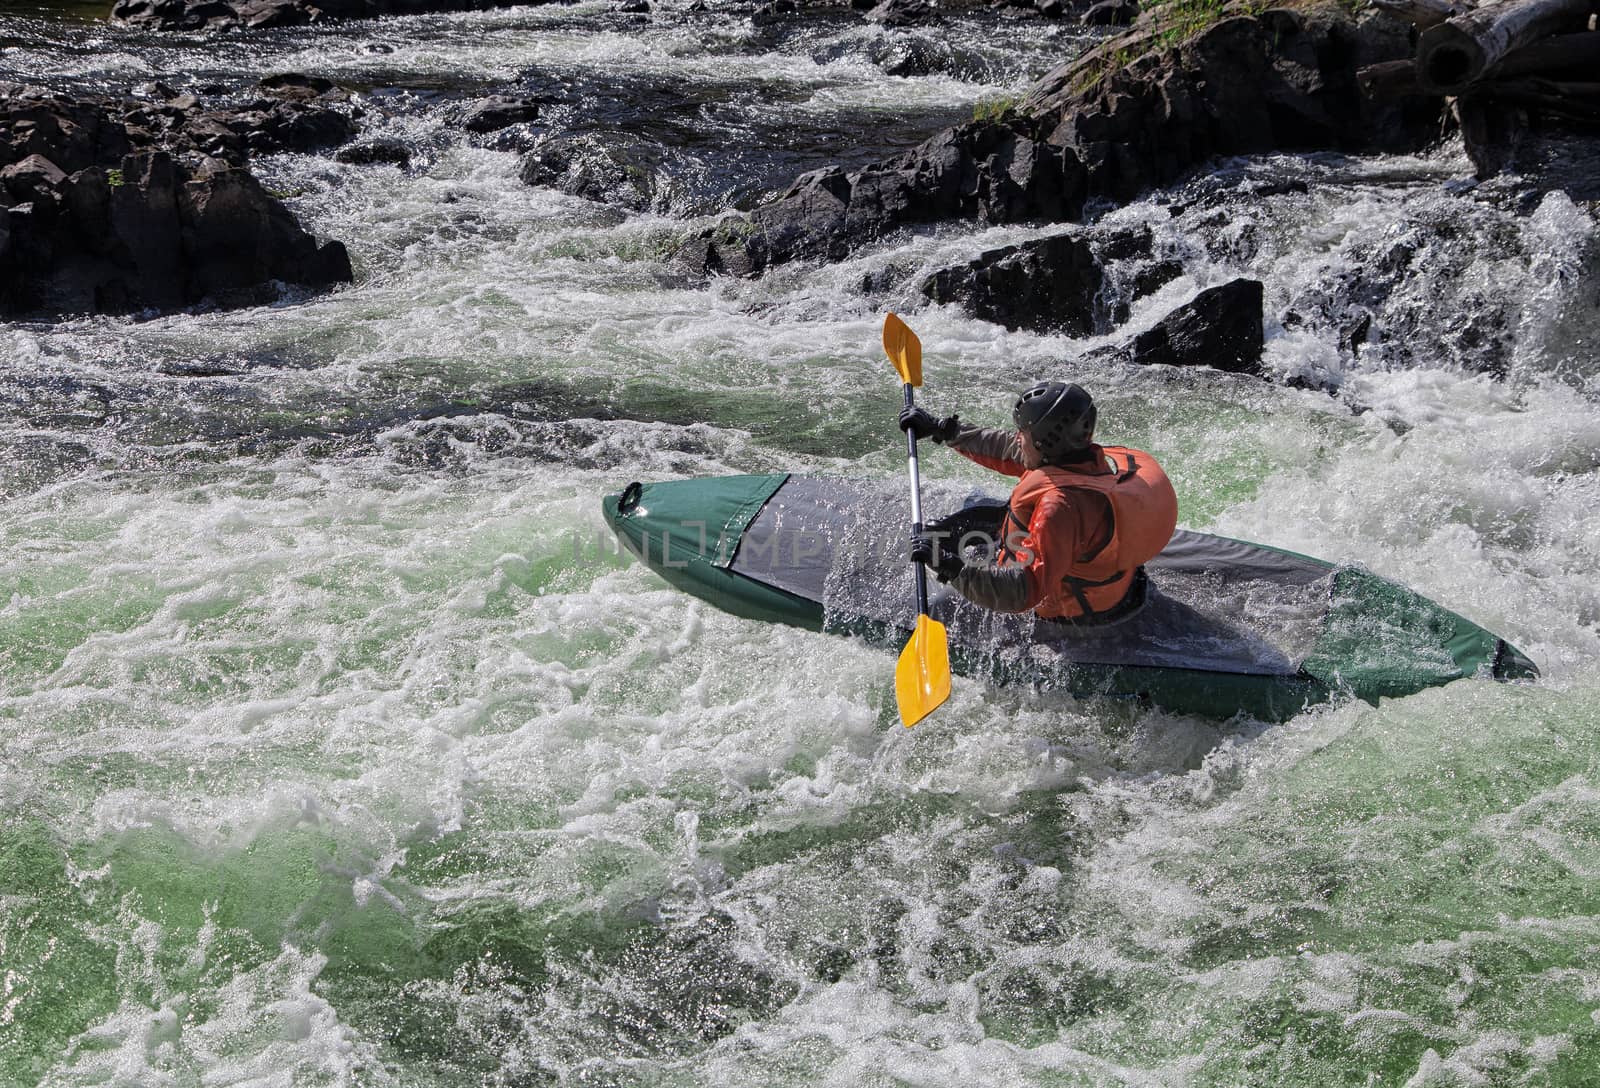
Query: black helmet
[1059,417]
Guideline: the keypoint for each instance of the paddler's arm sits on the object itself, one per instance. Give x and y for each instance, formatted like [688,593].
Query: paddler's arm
[1035,560]
[1002,589]
[989,447]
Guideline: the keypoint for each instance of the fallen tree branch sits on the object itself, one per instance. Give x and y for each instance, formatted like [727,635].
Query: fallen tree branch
[1457,52]
[1391,79]
[1578,101]
[1559,53]
[1423,13]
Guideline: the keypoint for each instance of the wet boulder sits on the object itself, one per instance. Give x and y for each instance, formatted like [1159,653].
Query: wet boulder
[369,152]
[99,218]
[898,13]
[235,236]
[299,87]
[270,13]
[270,127]
[995,171]
[497,112]
[230,14]
[69,132]
[1140,110]
[1047,285]
[1132,269]
[909,55]
[614,168]
[1111,13]
[1221,327]
[33,180]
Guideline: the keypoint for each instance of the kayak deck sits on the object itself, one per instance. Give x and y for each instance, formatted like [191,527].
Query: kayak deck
[1227,626]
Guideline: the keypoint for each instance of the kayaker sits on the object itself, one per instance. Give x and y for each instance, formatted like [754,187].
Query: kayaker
[1080,523]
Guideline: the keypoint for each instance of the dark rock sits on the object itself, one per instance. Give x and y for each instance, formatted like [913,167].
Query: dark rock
[1111,13]
[375,151]
[902,13]
[217,14]
[908,56]
[633,7]
[299,86]
[497,112]
[1221,328]
[773,12]
[33,179]
[1153,277]
[614,168]
[1139,111]
[996,171]
[1048,285]
[1132,271]
[113,223]
[1123,245]
[1280,80]
[291,126]
[270,13]
[1052,9]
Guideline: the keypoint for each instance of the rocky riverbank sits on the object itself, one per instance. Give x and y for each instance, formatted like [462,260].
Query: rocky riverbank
[1136,112]
[112,205]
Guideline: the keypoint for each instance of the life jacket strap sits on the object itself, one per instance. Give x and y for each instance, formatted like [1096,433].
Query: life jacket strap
[1131,601]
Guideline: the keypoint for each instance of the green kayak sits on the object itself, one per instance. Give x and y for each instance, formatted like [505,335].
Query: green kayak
[1226,627]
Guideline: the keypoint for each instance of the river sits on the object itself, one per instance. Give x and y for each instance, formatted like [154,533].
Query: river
[339,745]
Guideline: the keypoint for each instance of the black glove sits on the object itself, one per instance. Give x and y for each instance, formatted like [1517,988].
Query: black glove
[924,424]
[926,547]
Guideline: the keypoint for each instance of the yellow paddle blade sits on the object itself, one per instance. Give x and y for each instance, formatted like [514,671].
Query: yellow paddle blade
[904,350]
[922,676]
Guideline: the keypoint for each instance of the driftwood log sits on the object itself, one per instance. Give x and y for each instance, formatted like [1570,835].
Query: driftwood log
[1423,13]
[1578,101]
[1391,79]
[1561,53]
[1454,54]
[1500,66]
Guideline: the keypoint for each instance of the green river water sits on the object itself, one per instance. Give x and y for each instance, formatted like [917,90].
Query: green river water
[339,745]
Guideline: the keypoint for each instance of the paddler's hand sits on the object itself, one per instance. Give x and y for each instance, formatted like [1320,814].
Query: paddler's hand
[924,424]
[945,562]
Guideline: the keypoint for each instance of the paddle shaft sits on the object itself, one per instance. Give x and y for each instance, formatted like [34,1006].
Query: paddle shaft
[916,508]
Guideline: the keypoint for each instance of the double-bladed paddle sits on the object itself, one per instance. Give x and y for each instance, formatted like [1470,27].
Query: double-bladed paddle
[922,675]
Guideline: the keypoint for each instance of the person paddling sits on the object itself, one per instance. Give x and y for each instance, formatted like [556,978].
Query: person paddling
[1079,525]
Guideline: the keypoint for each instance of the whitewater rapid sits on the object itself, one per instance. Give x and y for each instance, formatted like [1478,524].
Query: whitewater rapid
[340,745]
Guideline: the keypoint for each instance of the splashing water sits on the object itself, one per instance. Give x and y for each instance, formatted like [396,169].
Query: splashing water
[340,745]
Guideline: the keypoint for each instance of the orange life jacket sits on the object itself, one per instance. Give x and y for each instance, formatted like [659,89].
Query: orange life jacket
[1144,513]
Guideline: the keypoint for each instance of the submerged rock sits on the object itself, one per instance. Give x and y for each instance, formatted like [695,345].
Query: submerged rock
[368,152]
[499,111]
[614,168]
